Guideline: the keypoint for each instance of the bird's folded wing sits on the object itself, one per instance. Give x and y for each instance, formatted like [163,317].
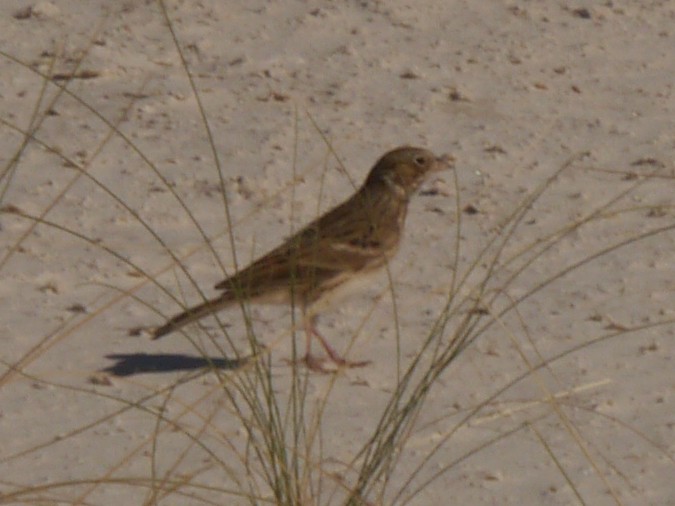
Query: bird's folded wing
[303,267]
[342,240]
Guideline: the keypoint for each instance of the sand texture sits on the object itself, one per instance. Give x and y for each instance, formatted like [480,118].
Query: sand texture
[515,91]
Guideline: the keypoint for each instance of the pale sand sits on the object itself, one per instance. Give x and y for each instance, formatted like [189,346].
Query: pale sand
[511,91]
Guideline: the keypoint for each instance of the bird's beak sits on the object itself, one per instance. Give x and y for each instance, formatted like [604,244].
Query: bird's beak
[445,162]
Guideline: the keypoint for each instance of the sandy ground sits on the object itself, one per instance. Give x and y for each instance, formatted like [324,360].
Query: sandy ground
[512,90]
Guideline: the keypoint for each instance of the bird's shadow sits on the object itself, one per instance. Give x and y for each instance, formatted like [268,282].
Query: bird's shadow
[128,364]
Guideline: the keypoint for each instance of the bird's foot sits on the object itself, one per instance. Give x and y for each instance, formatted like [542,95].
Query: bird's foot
[340,361]
[349,364]
[318,364]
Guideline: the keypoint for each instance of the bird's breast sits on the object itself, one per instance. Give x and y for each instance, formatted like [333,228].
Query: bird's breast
[344,285]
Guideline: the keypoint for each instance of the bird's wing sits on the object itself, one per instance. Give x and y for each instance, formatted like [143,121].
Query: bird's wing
[341,240]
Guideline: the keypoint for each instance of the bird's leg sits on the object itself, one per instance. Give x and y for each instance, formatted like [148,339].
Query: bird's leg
[316,364]
[312,362]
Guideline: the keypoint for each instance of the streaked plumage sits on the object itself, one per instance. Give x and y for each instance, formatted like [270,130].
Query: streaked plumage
[355,238]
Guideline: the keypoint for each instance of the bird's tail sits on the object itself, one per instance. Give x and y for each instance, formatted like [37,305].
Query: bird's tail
[193,314]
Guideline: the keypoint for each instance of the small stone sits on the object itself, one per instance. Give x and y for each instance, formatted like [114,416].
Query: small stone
[582,13]
[23,13]
[409,74]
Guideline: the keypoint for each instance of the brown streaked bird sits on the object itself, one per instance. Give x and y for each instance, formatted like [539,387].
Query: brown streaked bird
[332,253]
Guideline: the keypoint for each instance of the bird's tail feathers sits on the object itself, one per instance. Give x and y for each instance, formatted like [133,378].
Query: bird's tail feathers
[193,314]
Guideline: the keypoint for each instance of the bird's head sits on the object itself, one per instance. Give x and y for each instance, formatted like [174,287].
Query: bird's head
[404,169]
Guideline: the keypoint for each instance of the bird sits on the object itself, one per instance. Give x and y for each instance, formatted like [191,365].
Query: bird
[315,267]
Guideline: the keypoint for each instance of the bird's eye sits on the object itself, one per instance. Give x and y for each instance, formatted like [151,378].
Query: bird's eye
[421,161]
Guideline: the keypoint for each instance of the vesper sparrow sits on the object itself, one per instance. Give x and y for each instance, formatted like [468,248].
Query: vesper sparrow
[333,252]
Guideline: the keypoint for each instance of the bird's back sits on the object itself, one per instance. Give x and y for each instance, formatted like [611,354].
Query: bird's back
[360,234]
